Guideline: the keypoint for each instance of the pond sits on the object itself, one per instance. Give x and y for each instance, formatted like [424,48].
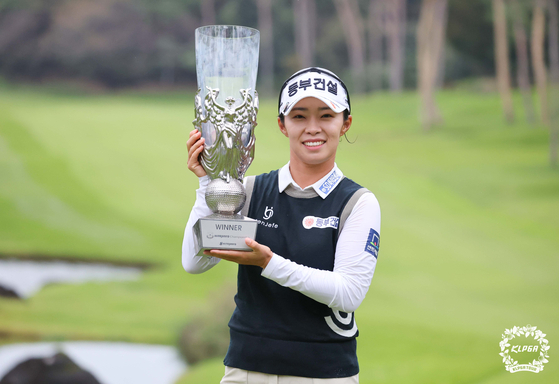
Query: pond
[109,362]
[27,277]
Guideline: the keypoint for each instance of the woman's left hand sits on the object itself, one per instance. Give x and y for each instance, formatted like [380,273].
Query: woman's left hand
[259,256]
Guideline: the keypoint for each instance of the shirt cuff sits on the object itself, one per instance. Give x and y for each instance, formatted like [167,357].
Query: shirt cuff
[204,181]
[273,264]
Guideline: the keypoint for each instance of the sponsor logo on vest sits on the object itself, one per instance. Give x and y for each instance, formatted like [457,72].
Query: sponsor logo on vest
[266,224]
[330,182]
[373,243]
[533,346]
[229,227]
[318,222]
[269,212]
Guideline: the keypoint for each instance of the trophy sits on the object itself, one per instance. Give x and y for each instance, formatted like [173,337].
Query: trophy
[225,109]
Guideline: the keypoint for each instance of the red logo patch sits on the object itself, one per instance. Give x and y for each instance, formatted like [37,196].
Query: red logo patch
[308,222]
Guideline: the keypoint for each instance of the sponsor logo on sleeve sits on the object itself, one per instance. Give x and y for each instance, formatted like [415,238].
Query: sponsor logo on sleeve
[373,243]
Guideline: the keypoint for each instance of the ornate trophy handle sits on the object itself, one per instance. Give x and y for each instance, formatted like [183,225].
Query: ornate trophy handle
[229,148]
[230,130]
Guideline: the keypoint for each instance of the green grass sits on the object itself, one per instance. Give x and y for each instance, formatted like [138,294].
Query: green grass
[470,226]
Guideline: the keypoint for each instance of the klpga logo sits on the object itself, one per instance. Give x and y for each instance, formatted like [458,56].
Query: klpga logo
[524,348]
[533,346]
[269,212]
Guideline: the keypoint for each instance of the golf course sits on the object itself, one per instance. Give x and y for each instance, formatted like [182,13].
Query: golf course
[469,237]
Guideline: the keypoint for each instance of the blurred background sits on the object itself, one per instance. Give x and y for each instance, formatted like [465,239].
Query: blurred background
[456,130]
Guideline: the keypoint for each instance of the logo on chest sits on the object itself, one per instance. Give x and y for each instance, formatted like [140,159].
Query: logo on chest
[319,222]
[268,213]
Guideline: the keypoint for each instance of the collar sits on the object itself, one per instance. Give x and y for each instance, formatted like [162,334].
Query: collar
[322,187]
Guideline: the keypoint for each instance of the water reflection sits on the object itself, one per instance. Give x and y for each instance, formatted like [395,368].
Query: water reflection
[26,277]
[110,363]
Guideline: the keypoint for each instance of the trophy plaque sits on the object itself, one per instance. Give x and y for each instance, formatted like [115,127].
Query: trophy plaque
[225,109]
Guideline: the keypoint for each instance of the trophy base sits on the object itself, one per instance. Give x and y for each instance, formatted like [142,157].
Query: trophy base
[223,232]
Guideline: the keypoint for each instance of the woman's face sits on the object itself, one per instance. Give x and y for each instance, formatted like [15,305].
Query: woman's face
[314,131]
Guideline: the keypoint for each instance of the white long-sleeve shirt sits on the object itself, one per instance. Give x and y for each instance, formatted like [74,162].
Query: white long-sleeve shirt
[342,289]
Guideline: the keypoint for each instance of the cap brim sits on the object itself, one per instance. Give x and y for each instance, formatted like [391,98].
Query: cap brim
[336,107]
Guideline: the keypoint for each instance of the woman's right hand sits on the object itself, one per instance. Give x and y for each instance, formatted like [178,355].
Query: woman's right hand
[195,146]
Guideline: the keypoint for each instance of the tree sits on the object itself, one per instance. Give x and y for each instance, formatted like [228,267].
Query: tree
[376,31]
[304,13]
[470,36]
[207,9]
[502,58]
[442,55]
[265,25]
[352,27]
[554,40]
[538,59]
[522,60]
[396,33]
[430,39]
[554,65]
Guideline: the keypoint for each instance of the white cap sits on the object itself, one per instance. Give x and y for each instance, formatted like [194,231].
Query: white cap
[314,82]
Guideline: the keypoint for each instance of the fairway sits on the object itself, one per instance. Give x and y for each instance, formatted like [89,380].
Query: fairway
[469,239]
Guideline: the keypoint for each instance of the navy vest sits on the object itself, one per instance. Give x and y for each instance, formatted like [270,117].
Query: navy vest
[278,330]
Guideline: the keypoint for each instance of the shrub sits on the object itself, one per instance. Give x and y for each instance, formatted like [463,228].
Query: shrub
[206,335]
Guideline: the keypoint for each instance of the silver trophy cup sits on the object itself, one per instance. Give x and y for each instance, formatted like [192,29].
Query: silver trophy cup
[225,109]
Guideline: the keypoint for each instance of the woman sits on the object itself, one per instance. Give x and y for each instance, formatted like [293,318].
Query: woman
[315,250]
